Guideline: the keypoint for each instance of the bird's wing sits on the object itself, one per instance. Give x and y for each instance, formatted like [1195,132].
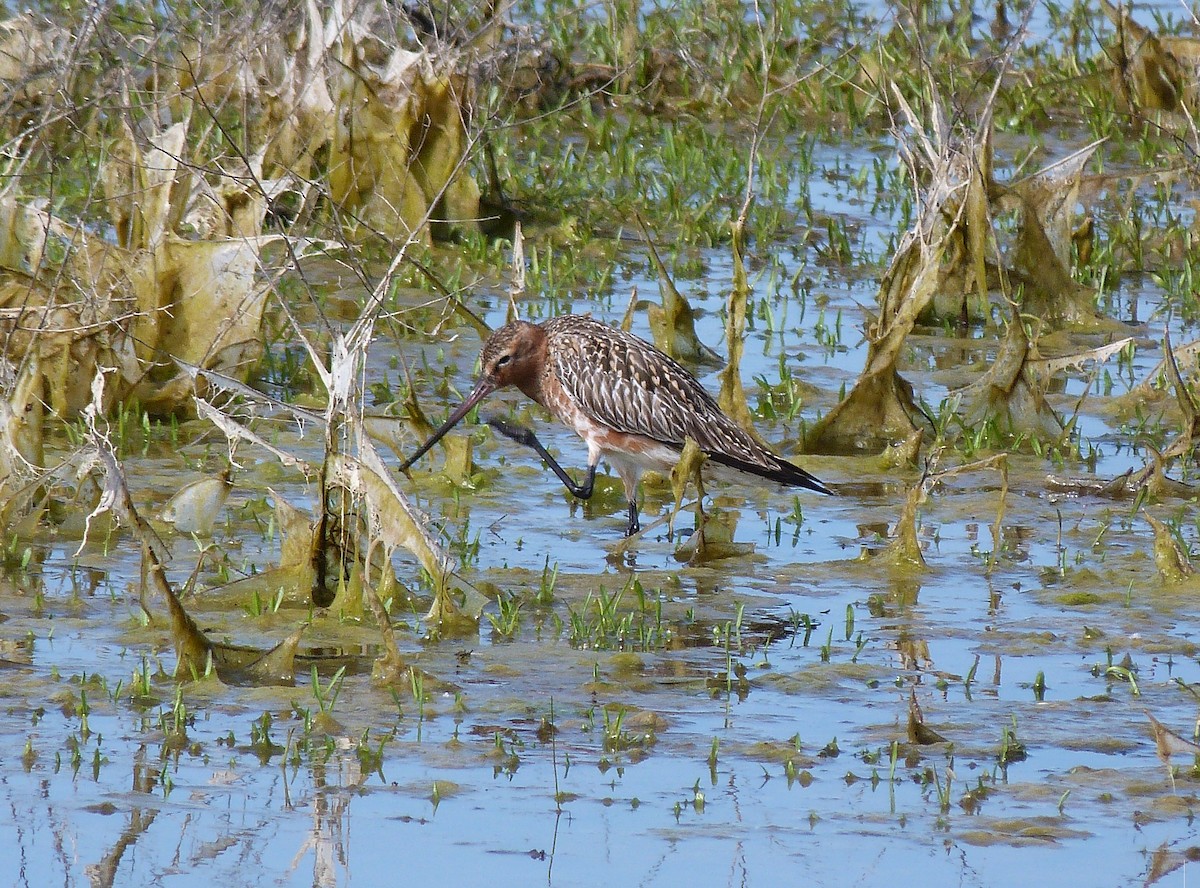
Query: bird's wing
[632,387]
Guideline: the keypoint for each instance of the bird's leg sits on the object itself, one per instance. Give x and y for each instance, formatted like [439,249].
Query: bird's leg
[634,524]
[525,436]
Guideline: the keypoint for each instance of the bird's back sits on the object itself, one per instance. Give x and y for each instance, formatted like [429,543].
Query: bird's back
[630,386]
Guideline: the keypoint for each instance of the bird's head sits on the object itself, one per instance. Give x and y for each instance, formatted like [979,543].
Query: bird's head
[511,356]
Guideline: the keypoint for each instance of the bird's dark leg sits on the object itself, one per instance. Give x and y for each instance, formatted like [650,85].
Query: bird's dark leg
[525,436]
[634,524]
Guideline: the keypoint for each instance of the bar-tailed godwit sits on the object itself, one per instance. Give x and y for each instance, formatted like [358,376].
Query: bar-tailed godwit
[631,404]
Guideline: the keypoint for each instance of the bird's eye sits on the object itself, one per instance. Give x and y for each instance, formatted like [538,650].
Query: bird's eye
[503,360]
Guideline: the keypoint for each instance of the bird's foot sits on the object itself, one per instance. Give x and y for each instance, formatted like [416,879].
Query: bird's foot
[635,526]
[520,434]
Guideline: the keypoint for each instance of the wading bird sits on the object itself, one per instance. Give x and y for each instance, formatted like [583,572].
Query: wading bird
[631,404]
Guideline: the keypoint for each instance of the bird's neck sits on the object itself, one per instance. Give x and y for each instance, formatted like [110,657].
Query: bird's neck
[534,367]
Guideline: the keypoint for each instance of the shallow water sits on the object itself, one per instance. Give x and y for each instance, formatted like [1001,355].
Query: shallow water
[748,721]
[466,785]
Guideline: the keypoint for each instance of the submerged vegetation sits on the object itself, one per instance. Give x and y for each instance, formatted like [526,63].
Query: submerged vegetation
[247,257]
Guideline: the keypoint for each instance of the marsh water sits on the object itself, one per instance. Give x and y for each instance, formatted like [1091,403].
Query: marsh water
[802,711]
[749,722]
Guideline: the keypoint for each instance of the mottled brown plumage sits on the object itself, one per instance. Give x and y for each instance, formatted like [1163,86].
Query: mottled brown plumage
[630,402]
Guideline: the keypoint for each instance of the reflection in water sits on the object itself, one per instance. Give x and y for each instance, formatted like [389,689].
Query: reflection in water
[331,807]
[103,874]
[1016,539]
[910,643]
[558,812]
[904,591]
[995,599]
[913,653]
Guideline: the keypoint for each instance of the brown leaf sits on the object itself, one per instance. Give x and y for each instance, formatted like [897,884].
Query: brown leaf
[918,731]
[1167,743]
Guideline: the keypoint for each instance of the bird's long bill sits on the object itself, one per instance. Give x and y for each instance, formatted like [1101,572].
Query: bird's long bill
[482,389]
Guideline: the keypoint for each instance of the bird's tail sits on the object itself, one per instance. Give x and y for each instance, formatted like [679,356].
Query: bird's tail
[782,472]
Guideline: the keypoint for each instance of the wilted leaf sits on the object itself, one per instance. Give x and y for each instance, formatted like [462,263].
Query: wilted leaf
[194,508]
[713,541]
[390,518]
[918,731]
[295,533]
[215,314]
[293,577]
[1042,256]
[1173,563]
[392,522]
[21,415]
[390,667]
[21,443]
[1011,394]
[963,290]
[877,413]
[277,666]
[686,471]
[1049,198]
[138,183]
[905,547]
[235,431]
[1153,73]
[197,300]
[460,461]
[732,397]
[242,664]
[1167,743]
[878,410]
[348,598]
[1179,366]
[22,241]
[298,114]
[397,155]
[32,52]
[673,324]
